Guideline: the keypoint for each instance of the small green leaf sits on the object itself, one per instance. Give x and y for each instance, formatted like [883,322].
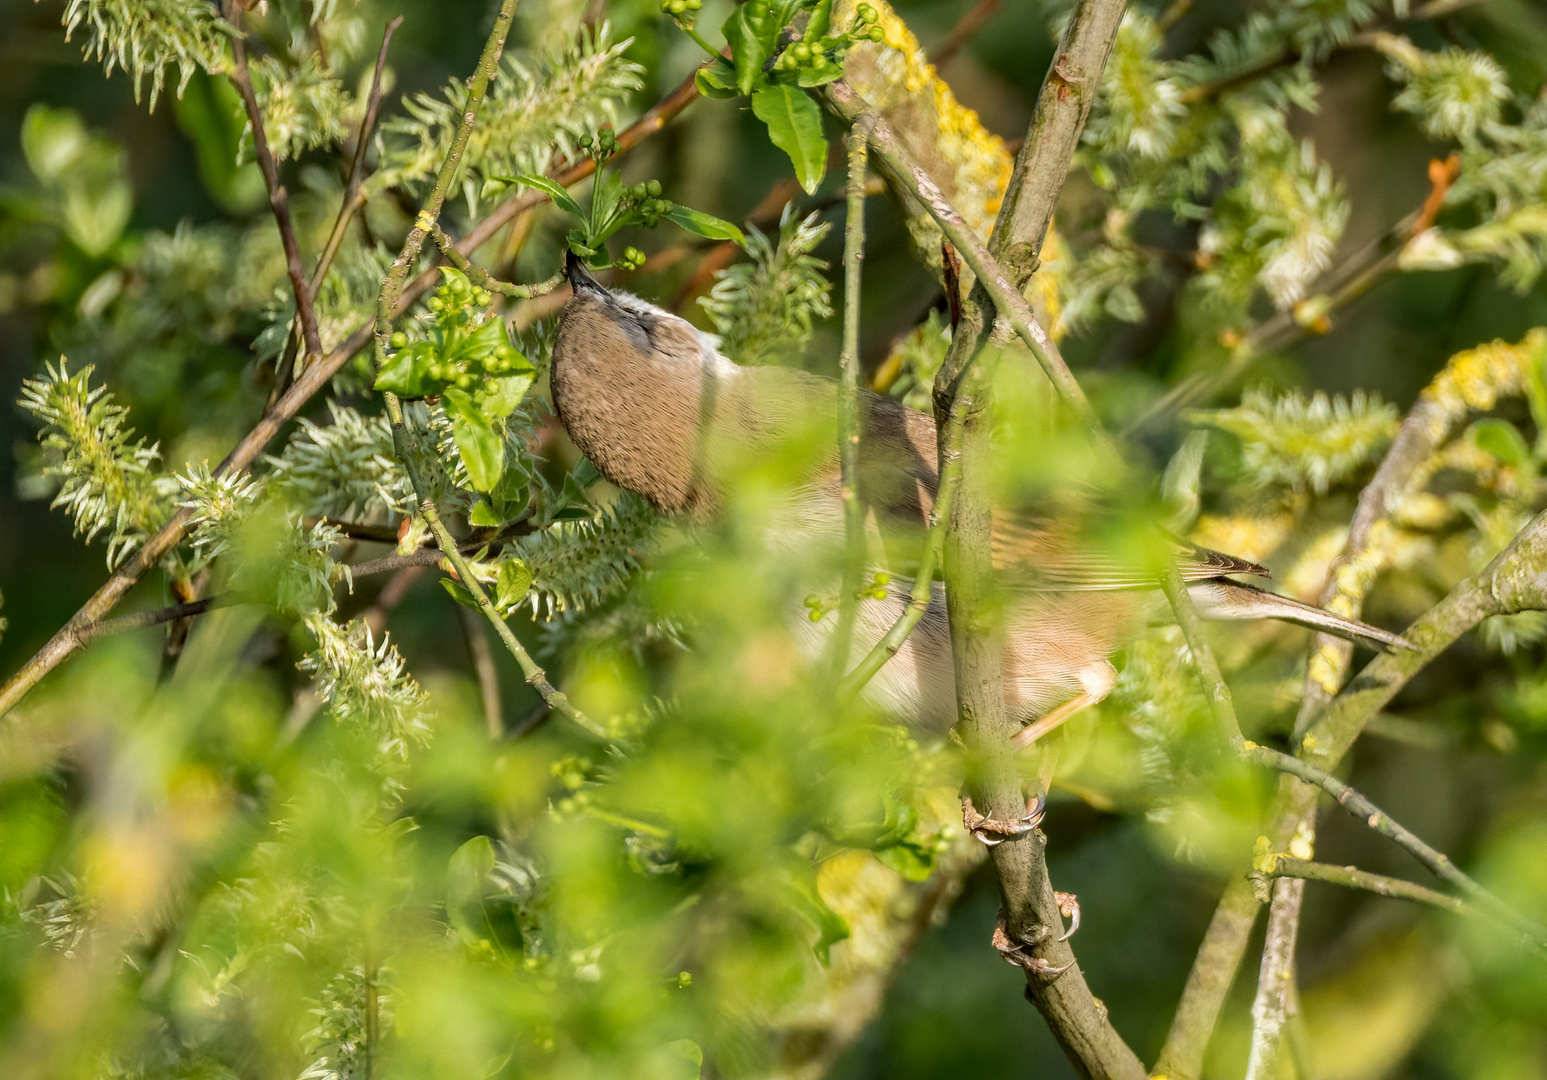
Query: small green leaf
[1502,441]
[52,141]
[748,34]
[460,594]
[821,20]
[514,582]
[561,198]
[913,861]
[809,77]
[483,516]
[404,372]
[705,225]
[477,439]
[717,80]
[499,397]
[795,126]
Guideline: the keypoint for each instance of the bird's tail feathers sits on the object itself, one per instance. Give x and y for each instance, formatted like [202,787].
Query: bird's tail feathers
[1221,598]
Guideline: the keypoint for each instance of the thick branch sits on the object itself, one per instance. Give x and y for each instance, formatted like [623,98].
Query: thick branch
[1031,911]
[999,293]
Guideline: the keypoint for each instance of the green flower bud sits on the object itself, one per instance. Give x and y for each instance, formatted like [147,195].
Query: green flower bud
[867,13]
[800,51]
[816,615]
[653,188]
[812,600]
[482,297]
[877,34]
[399,340]
[435,303]
[883,578]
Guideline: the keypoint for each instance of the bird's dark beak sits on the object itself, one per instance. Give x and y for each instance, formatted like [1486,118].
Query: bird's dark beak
[580,278]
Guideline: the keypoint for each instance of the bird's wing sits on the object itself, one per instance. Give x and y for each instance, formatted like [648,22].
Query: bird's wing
[1053,560]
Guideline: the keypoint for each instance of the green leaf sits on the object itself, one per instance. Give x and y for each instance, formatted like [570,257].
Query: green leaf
[812,77]
[460,594]
[706,225]
[682,1059]
[477,439]
[797,881]
[717,80]
[561,198]
[498,398]
[52,141]
[1501,440]
[821,20]
[514,582]
[751,34]
[483,515]
[795,126]
[466,883]
[404,372]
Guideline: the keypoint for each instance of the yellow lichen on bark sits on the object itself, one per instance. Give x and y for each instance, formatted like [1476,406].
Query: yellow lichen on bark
[970,164]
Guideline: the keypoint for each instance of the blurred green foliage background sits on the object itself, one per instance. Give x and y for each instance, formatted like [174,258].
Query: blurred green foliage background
[203,874]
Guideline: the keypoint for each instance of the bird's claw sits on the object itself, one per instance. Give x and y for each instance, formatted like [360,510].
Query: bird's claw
[994,831]
[1014,953]
[1069,908]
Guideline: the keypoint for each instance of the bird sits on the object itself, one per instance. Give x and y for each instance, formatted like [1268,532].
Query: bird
[656,407]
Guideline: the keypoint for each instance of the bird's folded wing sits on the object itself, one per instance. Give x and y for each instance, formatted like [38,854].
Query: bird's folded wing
[1047,558]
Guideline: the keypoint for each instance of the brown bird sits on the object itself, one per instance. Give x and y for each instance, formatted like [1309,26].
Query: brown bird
[657,409]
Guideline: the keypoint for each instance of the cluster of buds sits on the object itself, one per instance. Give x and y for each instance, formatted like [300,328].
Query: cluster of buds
[819,53]
[632,258]
[646,197]
[876,590]
[602,146]
[456,304]
[680,7]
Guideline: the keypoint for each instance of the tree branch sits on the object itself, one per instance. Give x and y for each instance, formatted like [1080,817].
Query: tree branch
[352,200]
[1351,877]
[1438,863]
[279,198]
[848,390]
[1030,908]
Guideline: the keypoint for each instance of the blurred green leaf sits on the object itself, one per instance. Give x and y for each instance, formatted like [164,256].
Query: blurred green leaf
[1502,440]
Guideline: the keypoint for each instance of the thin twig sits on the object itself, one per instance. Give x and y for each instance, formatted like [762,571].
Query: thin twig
[964,31]
[848,392]
[386,304]
[279,198]
[481,277]
[352,200]
[483,667]
[107,627]
[1377,819]
[1351,877]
